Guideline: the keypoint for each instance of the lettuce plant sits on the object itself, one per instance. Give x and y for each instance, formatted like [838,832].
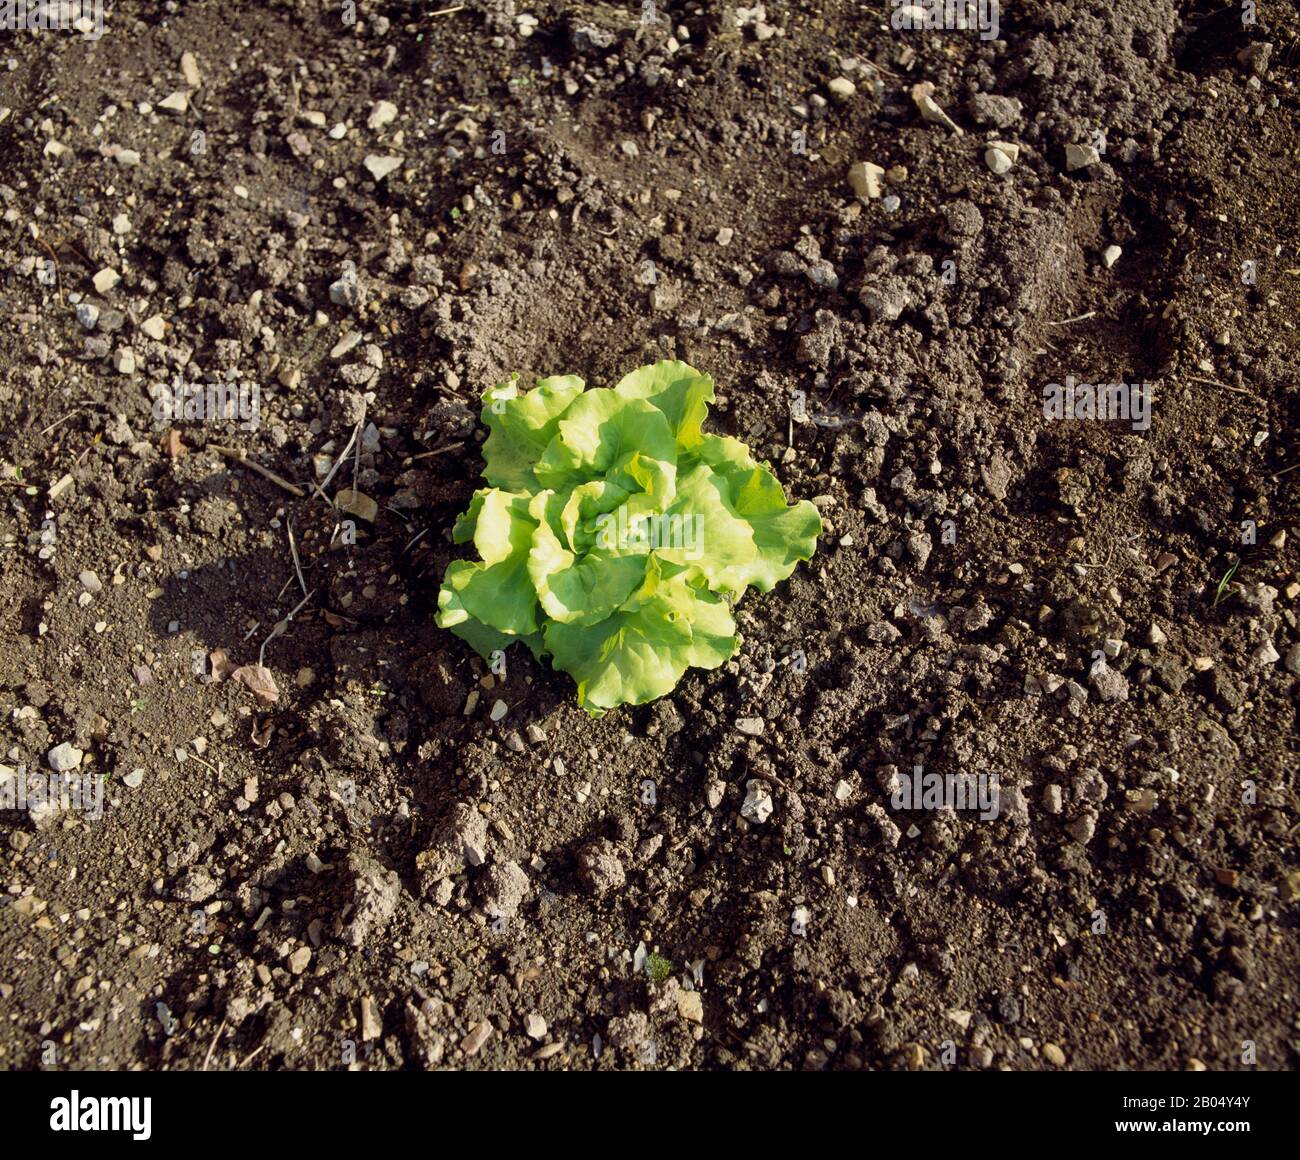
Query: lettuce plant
[615,534]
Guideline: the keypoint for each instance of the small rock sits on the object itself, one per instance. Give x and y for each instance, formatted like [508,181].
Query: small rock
[1111,684]
[991,109]
[1293,660]
[1081,156]
[841,88]
[190,70]
[600,868]
[690,1006]
[197,885]
[380,167]
[997,161]
[346,290]
[1266,654]
[106,280]
[1054,1055]
[479,1035]
[376,891]
[154,327]
[535,1027]
[124,360]
[384,113]
[503,888]
[757,806]
[1110,255]
[1255,56]
[1082,828]
[864,178]
[176,103]
[356,503]
[64,757]
[372,1022]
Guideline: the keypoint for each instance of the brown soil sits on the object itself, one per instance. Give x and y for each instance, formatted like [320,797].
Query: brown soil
[284,886]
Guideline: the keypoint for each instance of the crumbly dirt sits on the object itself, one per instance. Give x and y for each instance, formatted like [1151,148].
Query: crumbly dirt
[371,871]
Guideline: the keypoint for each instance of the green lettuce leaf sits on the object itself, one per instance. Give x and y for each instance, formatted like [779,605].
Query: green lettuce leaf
[615,533]
[521,426]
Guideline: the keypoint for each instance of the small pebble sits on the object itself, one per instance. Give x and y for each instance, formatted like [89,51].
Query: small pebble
[841,88]
[106,280]
[380,167]
[996,160]
[384,113]
[64,757]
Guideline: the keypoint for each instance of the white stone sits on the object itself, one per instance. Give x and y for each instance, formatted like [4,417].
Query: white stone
[864,178]
[190,70]
[757,806]
[841,88]
[384,113]
[380,167]
[1080,156]
[65,757]
[996,160]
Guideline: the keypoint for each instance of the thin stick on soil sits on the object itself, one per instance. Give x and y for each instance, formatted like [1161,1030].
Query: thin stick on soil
[293,549]
[241,457]
[356,466]
[448,11]
[63,420]
[216,770]
[282,626]
[339,461]
[439,450]
[207,1059]
[252,1055]
[1077,318]
[1225,386]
